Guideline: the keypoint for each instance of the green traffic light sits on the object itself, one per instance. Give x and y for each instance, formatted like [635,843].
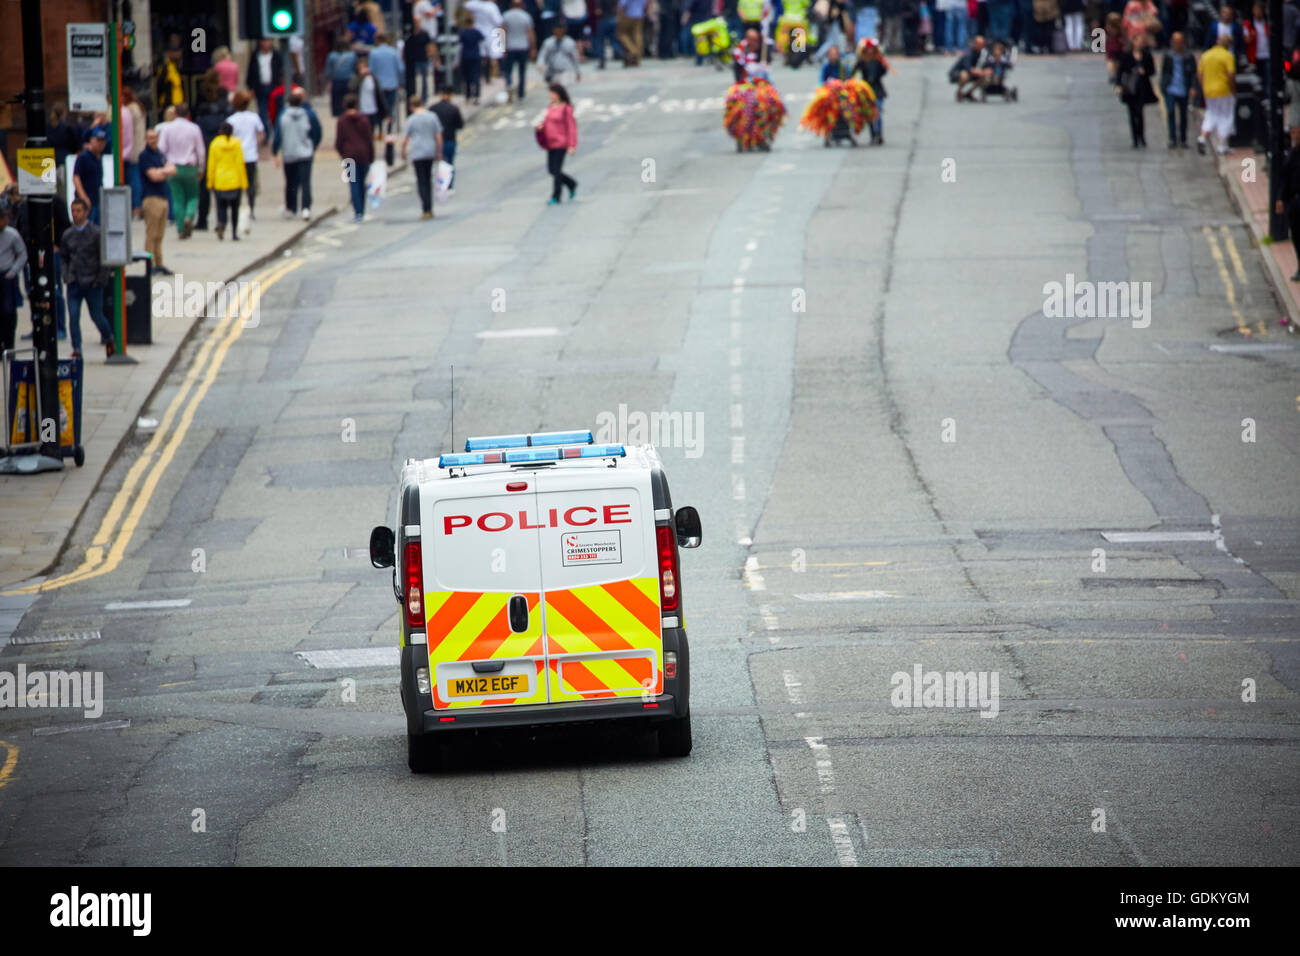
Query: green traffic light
[282,19]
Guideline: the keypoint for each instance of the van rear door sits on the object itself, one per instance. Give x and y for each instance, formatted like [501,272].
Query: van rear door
[600,583]
[482,597]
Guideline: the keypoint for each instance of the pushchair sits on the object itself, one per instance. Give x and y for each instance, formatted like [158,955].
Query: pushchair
[997,84]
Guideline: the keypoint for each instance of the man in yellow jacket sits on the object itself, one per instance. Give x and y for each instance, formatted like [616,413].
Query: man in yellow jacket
[227,177]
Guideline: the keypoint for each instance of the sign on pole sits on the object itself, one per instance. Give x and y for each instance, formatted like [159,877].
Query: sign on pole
[115,226]
[88,67]
[36,171]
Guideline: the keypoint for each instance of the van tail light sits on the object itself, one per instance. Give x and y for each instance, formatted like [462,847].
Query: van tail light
[414,587]
[668,593]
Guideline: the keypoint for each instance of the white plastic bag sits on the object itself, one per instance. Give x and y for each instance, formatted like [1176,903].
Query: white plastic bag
[443,181]
[377,183]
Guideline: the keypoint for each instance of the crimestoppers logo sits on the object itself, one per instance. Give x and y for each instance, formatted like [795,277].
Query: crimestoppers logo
[950,689]
[79,690]
[1083,299]
[75,908]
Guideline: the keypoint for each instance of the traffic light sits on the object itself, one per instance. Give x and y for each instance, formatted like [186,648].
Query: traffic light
[282,18]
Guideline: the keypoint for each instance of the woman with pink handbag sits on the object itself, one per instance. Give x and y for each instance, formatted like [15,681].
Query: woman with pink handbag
[558,134]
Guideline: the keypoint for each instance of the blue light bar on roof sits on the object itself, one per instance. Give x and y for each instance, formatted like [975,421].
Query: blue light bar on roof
[596,451]
[526,455]
[526,441]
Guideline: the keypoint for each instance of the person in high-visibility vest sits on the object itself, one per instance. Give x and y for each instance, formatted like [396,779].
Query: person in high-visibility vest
[754,15]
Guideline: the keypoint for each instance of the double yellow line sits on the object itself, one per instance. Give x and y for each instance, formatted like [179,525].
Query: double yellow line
[111,541]
[1229,289]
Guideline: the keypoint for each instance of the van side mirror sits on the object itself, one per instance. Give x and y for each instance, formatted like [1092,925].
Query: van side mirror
[381,547]
[687,523]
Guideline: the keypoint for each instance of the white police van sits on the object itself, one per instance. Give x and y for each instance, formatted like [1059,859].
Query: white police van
[539,584]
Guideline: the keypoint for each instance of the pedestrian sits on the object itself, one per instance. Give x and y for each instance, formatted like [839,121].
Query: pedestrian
[88,171]
[13,258]
[487,20]
[84,277]
[63,135]
[227,178]
[1228,26]
[297,134]
[340,67]
[1289,203]
[419,50]
[631,14]
[361,31]
[953,37]
[1217,76]
[558,56]
[1177,84]
[370,99]
[154,172]
[424,17]
[181,143]
[471,60]
[1290,22]
[20,219]
[1114,45]
[227,69]
[1255,34]
[559,135]
[971,70]
[607,28]
[693,12]
[521,44]
[133,127]
[1073,12]
[389,73]
[168,77]
[265,73]
[353,141]
[251,135]
[212,109]
[452,121]
[1043,24]
[423,141]
[872,67]
[1136,67]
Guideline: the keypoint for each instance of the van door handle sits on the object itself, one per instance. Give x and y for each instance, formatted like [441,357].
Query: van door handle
[488,667]
[518,613]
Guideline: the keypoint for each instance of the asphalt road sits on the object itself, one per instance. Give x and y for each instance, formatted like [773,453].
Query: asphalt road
[901,461]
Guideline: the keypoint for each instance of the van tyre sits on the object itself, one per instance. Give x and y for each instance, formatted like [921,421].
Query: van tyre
[423,753]
[675,737]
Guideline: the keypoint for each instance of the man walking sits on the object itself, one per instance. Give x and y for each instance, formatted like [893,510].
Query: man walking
[153,186]
[340,67]
[181,143]
[449,116]
[265,73]
[1177,82]
[88,171]
[631,14]
[423,141]
[389,73]
[521,43]
[84,277]
[13,257]
[353,141]
[558,56]
[1218,77]
[297,134]
[607,28]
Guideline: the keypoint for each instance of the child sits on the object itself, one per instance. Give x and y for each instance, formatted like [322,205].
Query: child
[471,60]
[873,66]
[1000,64]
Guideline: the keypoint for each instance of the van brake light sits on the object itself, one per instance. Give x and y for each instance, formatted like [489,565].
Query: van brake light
[414,587]
[667,541]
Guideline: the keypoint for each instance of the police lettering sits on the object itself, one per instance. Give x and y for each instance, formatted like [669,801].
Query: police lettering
[578,516]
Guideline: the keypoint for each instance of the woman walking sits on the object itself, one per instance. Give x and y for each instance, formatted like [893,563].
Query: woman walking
[558,134]
[227,177]
[1136,67]
[354,145]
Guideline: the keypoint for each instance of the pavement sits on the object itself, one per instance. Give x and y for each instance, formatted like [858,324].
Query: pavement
[38,512]
[903,459]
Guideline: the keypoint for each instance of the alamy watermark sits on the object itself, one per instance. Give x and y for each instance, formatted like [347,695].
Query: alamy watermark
[79,690]
[950,689]
[178,298]
[1084,299]
[662,429]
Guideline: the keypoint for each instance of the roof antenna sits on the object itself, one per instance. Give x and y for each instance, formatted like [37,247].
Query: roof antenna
[453,408]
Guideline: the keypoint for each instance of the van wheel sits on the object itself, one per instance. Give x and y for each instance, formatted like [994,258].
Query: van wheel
[675,737]
[423,753]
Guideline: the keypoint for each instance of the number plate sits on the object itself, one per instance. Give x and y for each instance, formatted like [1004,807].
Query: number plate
[488,684]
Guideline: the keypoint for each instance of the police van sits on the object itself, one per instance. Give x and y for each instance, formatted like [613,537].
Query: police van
[539,584]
